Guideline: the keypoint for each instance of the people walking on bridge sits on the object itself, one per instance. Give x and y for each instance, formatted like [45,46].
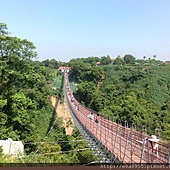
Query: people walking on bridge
[78,107]
[68,93]
[72,99]
[152,144]
[97,118]
[91,116]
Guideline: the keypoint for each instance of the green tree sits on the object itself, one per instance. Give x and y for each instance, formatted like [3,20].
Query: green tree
[150,61]
[129,59]
[85,91]
[118,61]
[154,56]
[3,29]
[92,60]
[54,63]
[16,75]
[106,60]
[46,62]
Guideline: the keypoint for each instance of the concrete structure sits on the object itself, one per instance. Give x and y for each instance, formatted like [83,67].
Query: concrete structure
[63,69]
[98,63]
[11,147]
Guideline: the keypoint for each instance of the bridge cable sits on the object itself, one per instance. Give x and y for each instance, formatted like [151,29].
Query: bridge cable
[54,142]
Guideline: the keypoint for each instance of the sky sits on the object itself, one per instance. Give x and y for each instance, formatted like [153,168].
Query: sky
[67,29]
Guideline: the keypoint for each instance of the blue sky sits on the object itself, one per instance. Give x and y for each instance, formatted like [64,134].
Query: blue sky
[66,29]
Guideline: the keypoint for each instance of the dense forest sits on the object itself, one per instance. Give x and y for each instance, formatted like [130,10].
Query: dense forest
[126,88]
[26,113]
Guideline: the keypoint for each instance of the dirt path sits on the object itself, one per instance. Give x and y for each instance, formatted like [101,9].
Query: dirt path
[100,81]
[63,112]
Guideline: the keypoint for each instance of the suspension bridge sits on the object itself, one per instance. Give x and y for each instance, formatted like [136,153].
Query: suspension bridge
[114,142]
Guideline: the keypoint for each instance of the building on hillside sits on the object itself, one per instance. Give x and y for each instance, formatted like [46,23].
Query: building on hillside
[11,147]
[165,63]
[98,63]
[112,60]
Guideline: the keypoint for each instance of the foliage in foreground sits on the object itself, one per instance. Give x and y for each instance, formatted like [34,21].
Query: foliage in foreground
[26,113]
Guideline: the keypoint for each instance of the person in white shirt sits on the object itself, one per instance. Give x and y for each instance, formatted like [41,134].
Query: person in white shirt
[153,144]
[91,116]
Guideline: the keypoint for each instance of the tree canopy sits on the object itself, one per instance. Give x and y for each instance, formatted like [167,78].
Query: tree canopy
[26,113]
[137,94]
[129,59]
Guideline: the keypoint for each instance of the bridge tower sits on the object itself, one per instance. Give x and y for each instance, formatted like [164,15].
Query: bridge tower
[64,69]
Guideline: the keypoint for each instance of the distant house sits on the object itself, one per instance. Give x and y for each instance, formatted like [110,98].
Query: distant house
[98,63]
[112,60]
[165,63]
[11,147]
[168,62]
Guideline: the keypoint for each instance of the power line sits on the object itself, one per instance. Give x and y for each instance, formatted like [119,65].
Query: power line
[47,135]
[67,143]
[53,142]
[53,153]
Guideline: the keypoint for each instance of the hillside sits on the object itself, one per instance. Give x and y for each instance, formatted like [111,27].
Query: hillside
[62,112]
[138,94]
